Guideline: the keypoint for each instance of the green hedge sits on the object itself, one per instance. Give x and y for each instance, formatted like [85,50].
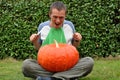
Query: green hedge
[96,20]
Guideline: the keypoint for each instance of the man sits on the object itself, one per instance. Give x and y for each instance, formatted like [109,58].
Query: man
[63,31]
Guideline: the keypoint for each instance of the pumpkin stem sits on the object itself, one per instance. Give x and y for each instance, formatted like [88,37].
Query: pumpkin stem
[57,46]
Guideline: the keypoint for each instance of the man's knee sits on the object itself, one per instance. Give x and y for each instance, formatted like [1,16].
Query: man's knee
[26,66]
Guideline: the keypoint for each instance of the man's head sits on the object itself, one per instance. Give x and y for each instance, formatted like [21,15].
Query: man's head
[57,14]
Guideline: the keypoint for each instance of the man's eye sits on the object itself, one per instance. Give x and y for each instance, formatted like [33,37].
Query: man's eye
[61,17]
[55,17]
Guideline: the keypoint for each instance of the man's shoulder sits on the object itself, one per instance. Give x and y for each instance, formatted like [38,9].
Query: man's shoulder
[43,24]
[68,22]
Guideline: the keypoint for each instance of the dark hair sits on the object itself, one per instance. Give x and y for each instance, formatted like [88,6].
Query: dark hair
[58,5]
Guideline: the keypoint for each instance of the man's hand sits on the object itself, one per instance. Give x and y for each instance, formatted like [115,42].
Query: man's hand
[76,39]
[77,36]
[34,37]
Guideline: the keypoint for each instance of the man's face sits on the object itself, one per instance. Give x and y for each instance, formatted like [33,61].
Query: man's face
[57,18]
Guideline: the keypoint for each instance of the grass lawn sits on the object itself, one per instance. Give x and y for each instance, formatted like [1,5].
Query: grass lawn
[104,69]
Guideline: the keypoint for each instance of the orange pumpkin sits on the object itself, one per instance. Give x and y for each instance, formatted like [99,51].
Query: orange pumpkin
[57,57]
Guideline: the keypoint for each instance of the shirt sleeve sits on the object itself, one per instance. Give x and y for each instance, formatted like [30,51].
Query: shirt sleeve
[41,25]
[39,29]
[73,27]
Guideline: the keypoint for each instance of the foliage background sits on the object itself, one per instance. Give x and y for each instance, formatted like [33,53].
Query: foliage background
[97,20]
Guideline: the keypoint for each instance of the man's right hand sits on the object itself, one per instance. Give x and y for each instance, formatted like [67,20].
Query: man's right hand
[34,37]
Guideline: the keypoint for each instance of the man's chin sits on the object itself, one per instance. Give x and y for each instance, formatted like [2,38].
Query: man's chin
[57,26]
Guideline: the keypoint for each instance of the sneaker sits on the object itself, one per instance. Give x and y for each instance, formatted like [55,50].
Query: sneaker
[38,78]
[46,78]
[43,78]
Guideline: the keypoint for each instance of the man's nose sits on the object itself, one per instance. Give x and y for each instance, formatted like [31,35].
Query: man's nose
[58,20]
